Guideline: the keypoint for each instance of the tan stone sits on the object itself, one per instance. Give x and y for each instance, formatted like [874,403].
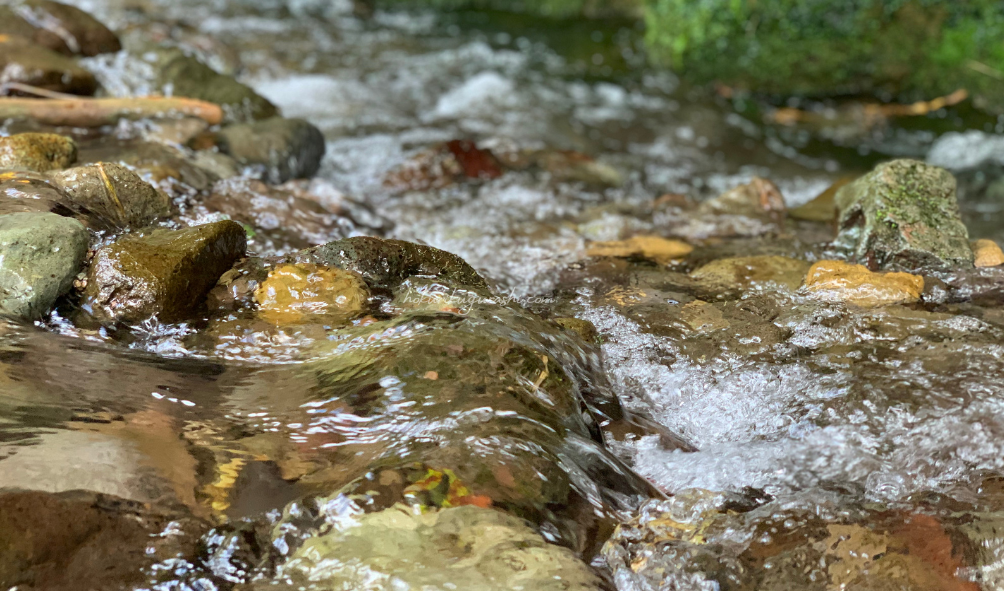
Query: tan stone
[660,250]
[295,291]
[823,208]
[855,284]
[988,253]
[747,271]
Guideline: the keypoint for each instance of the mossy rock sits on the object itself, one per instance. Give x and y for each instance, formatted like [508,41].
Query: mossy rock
[37,152]
[908,48]
[904,215]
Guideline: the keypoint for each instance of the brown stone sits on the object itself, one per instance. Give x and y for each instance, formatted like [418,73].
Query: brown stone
[295,292]
[37,152]
[988,253]
[661,250]
[748,271]
[164,273]
[25,62]
[855,284]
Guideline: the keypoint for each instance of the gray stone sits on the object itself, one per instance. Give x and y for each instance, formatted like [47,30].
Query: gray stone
[288,148]
[42,253]
[904,214]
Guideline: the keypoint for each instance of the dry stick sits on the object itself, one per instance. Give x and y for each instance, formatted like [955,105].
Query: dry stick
[873,112]
[75,111]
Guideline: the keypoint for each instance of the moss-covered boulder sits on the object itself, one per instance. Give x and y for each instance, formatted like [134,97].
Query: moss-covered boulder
[903,214]
[164,273]
[919,48]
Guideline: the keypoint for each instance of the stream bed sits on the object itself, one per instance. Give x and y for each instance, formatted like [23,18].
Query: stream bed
[709,427]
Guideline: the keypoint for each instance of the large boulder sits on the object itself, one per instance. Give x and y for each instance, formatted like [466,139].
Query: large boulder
[163,273]
[41,255]
[820,48]
[903,214]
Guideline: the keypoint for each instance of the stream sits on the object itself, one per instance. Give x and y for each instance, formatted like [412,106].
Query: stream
[743,435]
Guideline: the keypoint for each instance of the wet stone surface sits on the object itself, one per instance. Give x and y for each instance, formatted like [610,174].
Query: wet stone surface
[542,318]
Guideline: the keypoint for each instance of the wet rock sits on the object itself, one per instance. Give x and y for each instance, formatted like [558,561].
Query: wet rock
[467,547]
[753,209]
[163,273]
[67,29]
[186,76]
[42,253]
[661,250]
[987,254]
[113,192]
[750,271]
[903,214]
[167,167]
[83,540]
[703,317]
[281,220]
[444,165]
[388,262]
[22,192]
[855,284]
[293,292]
[569,166]
[24,62]
[584,328]
[37,152]
[288,148]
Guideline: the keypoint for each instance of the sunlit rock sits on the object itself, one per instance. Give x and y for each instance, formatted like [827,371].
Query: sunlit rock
[987,254]
[37,152]
[753,271]
[293,292]
[855,284]
[661,250]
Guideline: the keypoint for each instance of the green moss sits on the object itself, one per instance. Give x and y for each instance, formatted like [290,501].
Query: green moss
[921,48]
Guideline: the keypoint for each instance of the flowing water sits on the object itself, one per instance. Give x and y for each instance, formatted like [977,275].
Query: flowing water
[830,441]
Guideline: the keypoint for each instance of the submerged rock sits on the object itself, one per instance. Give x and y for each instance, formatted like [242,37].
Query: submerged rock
[82,540]
[186,76]
[855,284]
[987,253]
[37,152]
[747,271]
[113,192]
[41,255]
[281,220]
[66,29]
[468,548]
[163,273]
[293,292]
[26,63]
[288,148]
[661,250]
[903,214]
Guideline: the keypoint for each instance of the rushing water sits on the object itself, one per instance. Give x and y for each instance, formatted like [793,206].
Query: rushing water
[851,416]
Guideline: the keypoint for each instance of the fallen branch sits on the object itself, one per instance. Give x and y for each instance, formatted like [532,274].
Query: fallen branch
[97,112]
[869,113]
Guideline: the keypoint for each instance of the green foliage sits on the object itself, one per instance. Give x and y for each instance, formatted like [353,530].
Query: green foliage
[912,48]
